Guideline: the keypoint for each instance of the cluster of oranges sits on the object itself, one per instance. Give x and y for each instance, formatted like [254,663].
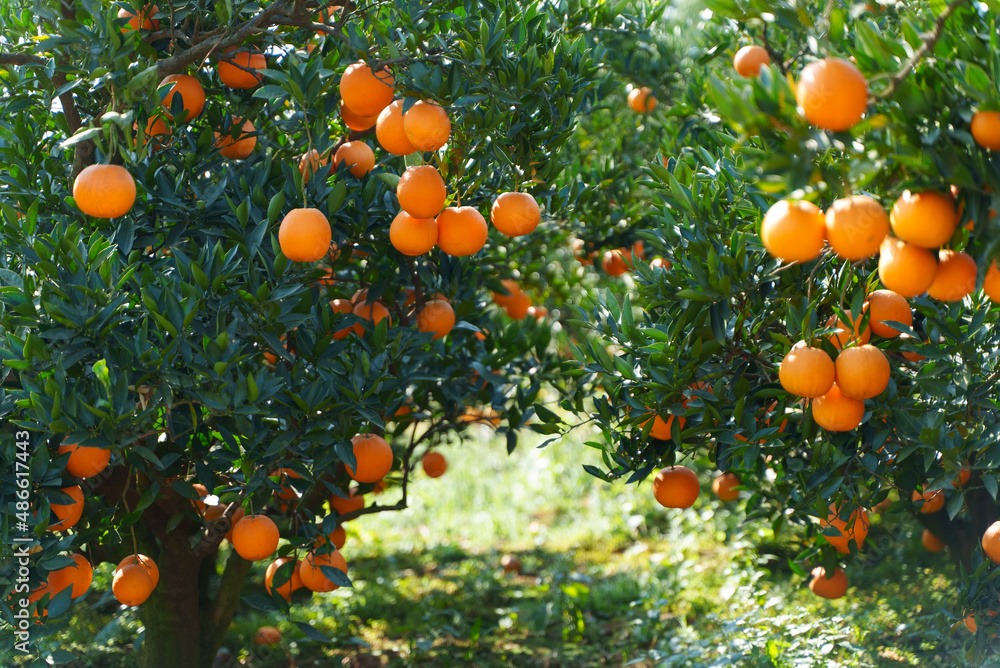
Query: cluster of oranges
[678,487]
[304,235]
[911,260]
[857,228]
[424,221]
[256,537]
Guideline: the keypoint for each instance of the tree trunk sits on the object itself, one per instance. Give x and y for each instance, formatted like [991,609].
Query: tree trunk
[171,614]
[216,619]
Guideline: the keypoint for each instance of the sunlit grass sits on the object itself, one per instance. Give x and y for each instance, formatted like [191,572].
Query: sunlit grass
[608,578]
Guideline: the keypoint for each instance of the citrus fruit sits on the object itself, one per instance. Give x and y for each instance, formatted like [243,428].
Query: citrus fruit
[832,93]
[793,231]
[104,191]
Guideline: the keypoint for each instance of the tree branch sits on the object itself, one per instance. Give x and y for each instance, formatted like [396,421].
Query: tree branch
[777,58]
[201,50]
[929,41]
[227,599]
[21,59]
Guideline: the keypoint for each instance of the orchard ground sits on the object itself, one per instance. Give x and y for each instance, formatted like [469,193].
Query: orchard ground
[608,578]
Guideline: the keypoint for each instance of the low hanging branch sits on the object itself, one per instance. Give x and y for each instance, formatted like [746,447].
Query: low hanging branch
[929,41]
[180,61]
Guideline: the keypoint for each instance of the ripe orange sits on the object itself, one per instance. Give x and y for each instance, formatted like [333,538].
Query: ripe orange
[749,59]
[390,132]
[242,146]
[310,163]
[190,93]
[290,585]
[255,537]
[242,69]
[614,262]
[833,586]
[660,263]
[327,15]
[846,333]
[427,126]
[284,477]
[927,219]
[806,371]
[312,574]
[854,528]
[305,235]
[462,231]
[661,427]
[267,635]
[132,584]
[676,487]
[856,226]
[104,191]
[642,100]
[991,542]
[70,513]
[793,231]
[421,191]
[143,20]
[353,502]
[515,214]
[931,542]
[413,236]
[832,93]
[908,354]
[237,515]
[725,484]
[905,268]
[434,464]
[986,129]
[337,537]
[155,129]
[363,91]
[85,461]
[374,458]
[516,302]
[579,252]
[78,576]
[886,305]
[836,412]
[374,313]
[991,282]
[342,306]
[145,562]
[357,155]
[955,276]
[356,122]
[970,623]
[436,317]
[862,372]
[929,501]
[962,479]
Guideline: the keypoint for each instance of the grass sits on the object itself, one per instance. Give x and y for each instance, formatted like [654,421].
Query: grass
[608,579]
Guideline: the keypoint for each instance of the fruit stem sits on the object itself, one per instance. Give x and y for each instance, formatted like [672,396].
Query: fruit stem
[309,149]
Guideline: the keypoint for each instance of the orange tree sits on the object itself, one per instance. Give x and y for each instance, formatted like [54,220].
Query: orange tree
[838,364]
[247,272]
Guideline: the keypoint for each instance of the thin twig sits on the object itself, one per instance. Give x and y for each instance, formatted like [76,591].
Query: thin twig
[777,58]
[201,50]
[929,41]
